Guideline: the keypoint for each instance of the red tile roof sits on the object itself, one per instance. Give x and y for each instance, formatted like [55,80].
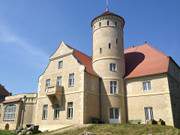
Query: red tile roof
[85,60]
[140,61]
[145,60]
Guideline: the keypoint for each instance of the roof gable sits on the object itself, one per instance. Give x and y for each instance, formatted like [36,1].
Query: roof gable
[62,50]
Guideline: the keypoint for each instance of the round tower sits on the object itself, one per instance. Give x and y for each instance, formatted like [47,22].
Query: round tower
[109,64]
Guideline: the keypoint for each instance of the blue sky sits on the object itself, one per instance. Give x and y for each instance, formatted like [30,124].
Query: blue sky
[31,30]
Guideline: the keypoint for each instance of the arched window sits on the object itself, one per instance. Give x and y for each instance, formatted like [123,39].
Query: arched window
[9,112]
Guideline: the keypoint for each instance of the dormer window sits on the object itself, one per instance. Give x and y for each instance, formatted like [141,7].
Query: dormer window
[60,64]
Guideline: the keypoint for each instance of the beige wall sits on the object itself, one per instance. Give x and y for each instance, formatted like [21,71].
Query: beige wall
[12,124]
[158,98]
[174,86]
[71,94]
[91,97]
[28,114]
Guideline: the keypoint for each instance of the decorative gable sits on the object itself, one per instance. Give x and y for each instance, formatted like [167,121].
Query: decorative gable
[61,51]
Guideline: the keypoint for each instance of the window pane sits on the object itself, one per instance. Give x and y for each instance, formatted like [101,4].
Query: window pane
[59,81]
[60,64]
[116,113]
[111,113]
[71,79]
[9,112]
[45,112]
[70,110]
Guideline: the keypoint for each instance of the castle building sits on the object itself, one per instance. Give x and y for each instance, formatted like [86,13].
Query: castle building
[115,85]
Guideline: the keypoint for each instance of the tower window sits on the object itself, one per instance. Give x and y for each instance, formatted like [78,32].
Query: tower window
[113,87]
[107,23]
[115,23]
[116,40]
[109,45]
[99,24]
[100,50]
[112,67]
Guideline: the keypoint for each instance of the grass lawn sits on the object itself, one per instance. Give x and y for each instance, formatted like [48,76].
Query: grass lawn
[126,129]
[6,133]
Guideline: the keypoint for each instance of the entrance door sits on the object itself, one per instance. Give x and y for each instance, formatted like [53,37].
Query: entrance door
[114,115]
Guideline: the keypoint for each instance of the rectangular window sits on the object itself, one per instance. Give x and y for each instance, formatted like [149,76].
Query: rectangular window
[45,112]
[114,113]
[70,110]
[56,111]
[146,85]
[113,87]
[71,80]
[113,67]
[60,64]
[48,83]
[109,45]
[148,113]
[107,23]
[59,81]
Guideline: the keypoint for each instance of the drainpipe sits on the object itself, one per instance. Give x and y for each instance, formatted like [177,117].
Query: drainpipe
[100,101]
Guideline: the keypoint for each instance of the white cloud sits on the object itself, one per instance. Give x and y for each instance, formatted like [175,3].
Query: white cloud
[7,36]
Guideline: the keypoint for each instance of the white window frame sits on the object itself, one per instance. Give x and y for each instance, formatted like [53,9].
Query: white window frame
[59,81]
[148,113]
[60,64]
[71,80]
[70,110]
[45,112]
[113,87]
[113,67]
[10,112]
[146,85]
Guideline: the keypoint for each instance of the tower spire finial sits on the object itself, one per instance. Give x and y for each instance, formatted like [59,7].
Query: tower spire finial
[107,5]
